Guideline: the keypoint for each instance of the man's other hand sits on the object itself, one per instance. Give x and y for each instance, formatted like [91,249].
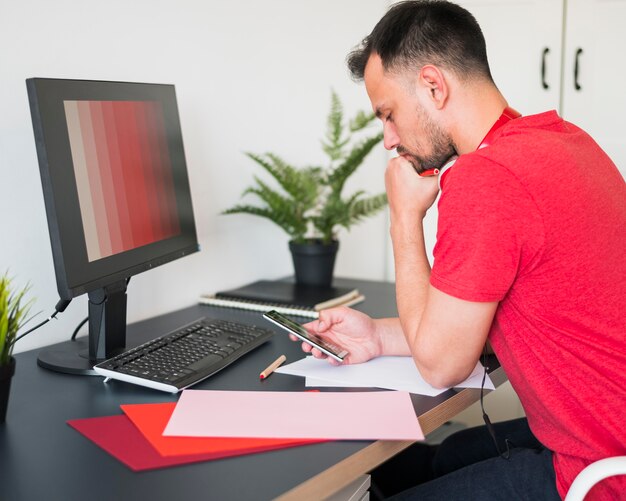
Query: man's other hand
[351,329]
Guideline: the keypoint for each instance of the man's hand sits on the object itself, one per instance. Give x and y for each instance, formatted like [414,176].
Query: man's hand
[348,328]
[359,334]
[409,195]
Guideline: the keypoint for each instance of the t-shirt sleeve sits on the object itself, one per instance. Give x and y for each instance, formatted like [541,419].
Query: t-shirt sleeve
[487,233]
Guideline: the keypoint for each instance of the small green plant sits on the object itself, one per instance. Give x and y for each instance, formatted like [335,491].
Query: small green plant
[310,206]
[13,315]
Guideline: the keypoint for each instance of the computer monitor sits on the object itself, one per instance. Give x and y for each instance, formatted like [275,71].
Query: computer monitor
[117,198]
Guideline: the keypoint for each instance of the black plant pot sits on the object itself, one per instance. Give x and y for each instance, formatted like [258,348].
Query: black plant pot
[314,262]
[6,374]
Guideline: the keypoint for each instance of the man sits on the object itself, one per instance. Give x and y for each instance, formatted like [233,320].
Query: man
[529,256]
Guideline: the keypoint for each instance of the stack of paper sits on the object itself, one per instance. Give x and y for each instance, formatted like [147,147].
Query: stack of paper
[206,425]
[393,373]
[136,439]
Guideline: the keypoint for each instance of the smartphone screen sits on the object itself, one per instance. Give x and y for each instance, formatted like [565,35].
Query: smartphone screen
[300,332]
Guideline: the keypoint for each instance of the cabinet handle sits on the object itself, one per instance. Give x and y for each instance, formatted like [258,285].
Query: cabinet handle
[544,84]
[577,86]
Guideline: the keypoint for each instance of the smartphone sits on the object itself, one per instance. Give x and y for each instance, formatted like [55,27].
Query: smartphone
[300,332]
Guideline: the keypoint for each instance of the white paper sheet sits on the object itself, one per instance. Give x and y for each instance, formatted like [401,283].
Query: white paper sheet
[393,373]
[323,383]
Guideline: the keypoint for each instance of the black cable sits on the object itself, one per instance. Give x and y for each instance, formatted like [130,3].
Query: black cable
[490,428]
[83,322]
[36,326]
[60,307]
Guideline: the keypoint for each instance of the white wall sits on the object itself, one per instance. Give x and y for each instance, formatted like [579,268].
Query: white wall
[250,76]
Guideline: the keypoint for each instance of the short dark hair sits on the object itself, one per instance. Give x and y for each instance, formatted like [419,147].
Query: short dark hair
[419,32]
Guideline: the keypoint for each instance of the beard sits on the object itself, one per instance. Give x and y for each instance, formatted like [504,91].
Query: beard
[442,147]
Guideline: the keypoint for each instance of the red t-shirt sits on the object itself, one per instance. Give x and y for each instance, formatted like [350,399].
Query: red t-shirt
[537,221]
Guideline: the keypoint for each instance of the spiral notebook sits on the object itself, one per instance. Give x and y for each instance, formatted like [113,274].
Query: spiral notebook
[285,297]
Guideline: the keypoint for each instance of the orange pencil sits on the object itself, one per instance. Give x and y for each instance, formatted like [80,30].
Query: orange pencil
[273,366]
[430,172]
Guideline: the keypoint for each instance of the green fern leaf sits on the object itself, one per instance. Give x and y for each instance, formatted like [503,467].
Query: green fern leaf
[352,162]
[286,175]
[286,211]
[292,226]
[361,120]
[335,119]
[335,142]
[364,208]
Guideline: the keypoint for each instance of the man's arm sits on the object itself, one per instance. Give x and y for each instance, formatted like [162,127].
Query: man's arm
[450,337]
[445,334]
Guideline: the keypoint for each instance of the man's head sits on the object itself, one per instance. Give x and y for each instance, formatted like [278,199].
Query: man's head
[415,33]
[421,56]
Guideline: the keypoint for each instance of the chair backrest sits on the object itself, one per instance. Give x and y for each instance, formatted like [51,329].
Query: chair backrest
[592,474]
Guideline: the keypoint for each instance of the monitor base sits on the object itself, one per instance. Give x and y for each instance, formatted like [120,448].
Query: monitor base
[71,357]
[107,334]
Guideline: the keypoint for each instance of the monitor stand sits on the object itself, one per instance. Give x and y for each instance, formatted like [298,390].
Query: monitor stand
[107,334]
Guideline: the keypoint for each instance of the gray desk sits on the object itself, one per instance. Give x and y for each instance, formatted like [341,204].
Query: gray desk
[41,457]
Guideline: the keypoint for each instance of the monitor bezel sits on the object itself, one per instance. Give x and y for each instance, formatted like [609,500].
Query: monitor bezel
[75,274]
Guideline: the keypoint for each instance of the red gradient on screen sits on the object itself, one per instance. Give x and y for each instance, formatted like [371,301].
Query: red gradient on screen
[123,174]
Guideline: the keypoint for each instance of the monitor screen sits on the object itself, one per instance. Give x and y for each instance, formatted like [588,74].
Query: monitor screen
[114,179]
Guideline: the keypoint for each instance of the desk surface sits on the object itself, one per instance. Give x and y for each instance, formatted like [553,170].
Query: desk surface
[43,458]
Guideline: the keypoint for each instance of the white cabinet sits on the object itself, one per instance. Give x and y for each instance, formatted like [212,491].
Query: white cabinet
[594,73]
[566,55]
[524,46]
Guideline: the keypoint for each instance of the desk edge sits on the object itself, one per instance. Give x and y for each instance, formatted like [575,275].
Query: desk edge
[338,476]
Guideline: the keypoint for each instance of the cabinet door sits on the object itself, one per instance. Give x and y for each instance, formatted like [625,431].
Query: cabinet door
[594,73]
[524,49]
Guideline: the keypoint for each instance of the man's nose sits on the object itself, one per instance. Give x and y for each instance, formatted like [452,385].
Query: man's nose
[391,140]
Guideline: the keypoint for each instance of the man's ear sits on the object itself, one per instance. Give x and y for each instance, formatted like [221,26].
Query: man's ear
[434,80]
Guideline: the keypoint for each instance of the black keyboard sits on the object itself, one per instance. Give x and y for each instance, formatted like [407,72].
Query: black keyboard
[186,356]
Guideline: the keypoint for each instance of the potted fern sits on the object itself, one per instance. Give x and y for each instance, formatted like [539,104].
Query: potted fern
[309,204]
[13,313]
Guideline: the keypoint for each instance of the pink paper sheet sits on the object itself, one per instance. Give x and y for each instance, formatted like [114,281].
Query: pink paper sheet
[375,415]
[151,419]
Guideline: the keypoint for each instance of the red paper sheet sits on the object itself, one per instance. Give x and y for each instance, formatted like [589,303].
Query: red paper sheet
[151,419]
[119,437]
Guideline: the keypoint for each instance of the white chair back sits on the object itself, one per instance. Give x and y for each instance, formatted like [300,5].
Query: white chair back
[593,474]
